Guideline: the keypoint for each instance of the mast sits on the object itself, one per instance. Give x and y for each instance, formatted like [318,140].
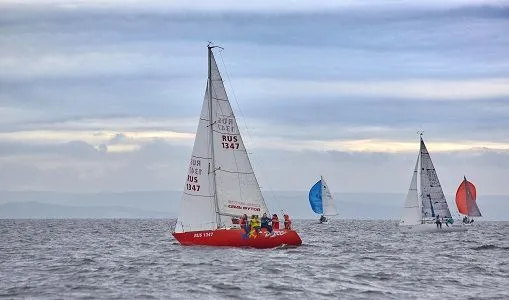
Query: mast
[211,136]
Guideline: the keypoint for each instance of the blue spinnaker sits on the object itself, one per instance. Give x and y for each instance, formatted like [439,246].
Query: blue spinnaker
[315,198]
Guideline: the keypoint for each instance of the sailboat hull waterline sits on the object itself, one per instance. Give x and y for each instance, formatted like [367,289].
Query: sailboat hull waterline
[238,238]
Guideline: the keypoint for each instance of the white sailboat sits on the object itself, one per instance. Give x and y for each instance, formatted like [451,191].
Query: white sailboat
[321,201]
[221,185]
[426,208]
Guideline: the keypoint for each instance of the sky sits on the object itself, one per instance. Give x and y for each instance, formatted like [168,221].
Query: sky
[105,95]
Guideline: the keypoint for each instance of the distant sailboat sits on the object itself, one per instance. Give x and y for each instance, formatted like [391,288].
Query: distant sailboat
[221,185]
[466,201]
[425,200]
[321,201]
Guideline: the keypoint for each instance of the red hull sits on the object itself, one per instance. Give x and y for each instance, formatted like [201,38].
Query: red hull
[238,238]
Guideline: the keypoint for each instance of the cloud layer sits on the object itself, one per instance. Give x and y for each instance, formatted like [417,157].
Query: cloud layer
[105,95]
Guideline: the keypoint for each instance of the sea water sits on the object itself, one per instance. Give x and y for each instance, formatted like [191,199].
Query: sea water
[346,259]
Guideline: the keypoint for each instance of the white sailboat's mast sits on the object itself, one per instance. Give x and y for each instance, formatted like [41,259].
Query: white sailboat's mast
[211,136]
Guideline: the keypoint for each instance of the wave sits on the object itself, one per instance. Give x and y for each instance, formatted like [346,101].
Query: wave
[490,247]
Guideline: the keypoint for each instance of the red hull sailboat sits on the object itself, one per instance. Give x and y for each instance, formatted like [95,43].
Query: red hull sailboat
[238,238]
[221,185]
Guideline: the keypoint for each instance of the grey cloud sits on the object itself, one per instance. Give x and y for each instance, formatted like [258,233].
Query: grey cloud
[161,166]
[79,167]
[118,63]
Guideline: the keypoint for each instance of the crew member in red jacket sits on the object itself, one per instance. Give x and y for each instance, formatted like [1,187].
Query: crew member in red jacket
[275,222]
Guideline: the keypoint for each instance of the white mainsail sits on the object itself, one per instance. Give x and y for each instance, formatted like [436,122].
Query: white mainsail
[220,166]
[329,208]
[433,198]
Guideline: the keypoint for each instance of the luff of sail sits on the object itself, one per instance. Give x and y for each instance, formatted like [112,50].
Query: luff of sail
[466,199]
[432,195]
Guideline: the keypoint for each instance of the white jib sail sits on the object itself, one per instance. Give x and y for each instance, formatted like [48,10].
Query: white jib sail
[197,211]
[329,208]
[412,211]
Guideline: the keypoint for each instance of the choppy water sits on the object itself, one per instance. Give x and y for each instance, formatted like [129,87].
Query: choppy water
[127,259]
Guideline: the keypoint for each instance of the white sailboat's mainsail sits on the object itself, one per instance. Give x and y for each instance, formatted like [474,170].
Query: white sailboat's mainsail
[329,208]
[209,202]
[412,209]
[425,197]
[433,198]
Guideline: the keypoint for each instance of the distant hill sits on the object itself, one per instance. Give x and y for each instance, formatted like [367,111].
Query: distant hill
[37,210]
[165,204]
